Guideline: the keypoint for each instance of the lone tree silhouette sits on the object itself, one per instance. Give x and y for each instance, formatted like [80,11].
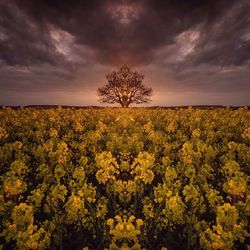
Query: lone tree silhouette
[124,87]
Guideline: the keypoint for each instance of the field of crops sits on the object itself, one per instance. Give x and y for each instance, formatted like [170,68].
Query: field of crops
[124,178]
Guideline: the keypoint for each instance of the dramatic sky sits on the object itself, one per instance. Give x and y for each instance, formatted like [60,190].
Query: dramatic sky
[190,52]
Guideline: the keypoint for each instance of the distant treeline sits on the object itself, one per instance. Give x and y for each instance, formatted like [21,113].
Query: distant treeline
[103,107]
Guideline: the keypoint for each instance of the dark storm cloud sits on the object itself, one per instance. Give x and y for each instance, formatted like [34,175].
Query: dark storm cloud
[119,31]
[226,41]
[195,45]
[23,42]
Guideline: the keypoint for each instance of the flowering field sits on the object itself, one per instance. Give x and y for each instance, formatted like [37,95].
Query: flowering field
[124,178]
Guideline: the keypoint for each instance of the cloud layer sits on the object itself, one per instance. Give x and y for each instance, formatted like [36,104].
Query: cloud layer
[181,46]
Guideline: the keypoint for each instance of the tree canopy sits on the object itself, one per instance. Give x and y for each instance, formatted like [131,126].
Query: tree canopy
[124,87]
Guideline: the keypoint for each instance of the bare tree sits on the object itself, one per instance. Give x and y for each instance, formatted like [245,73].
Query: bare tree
[124,87]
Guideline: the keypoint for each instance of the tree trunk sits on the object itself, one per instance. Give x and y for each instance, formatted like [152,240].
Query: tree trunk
[124,105]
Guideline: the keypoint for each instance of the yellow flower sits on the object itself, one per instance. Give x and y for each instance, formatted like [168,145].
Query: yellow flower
[110,222]
[139,222]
